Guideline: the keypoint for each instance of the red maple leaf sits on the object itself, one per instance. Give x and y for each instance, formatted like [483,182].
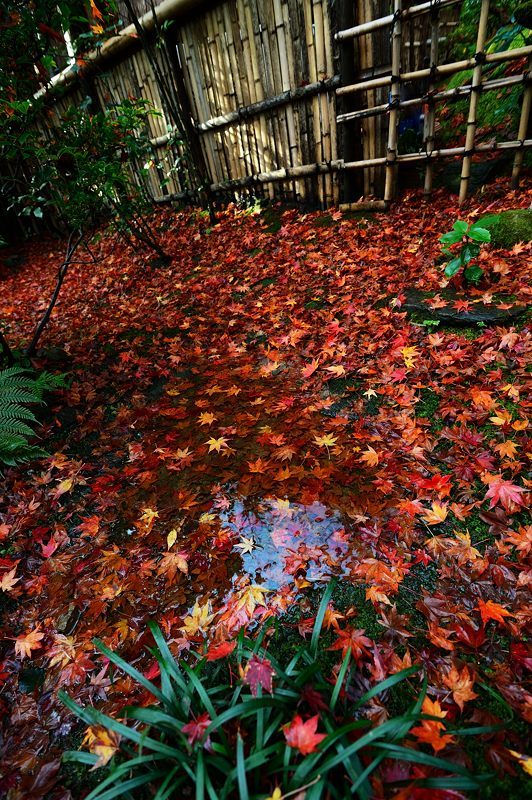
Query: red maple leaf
[259,672]
[506,493]
[302,735]
[195,729]
[221,650]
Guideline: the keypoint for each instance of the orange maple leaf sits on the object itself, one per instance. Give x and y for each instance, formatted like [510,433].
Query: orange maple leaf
[460,682]
[490,610]
[430,731]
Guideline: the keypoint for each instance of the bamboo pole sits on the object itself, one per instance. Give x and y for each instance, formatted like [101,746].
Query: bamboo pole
[428,133]
[441,71]
[523,128]
[458,91]
[473,100]
[321,168]
[374,25]
[389,188]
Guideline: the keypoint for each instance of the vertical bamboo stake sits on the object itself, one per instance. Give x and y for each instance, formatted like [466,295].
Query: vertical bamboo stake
[476,85]
[431,114]
[523,127]
[395,93]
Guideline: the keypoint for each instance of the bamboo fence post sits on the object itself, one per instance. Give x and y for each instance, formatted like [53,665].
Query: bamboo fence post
[391,155]
[523,127]
[476,86]
[431,114]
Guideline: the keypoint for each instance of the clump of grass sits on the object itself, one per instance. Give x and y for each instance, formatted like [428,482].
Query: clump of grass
[225,728]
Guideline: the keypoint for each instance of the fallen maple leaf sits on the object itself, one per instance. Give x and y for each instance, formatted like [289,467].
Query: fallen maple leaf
[490,610]
[430,731]
[437,514]
[8,580]
[460,682]
[326,441]
[259,672]
[506,493]
[302,735]
[195,729]
[217,444]
[199,620]
[25,643]
[370,457]
[103,742]
[217,651]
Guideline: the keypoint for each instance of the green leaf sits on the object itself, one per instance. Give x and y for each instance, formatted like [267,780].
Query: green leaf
[469,251]
[461,227]
[387,683]
[479,234]
[320,617]
[241,769]
[453,267]
[128,669]
[473,273]
[340,680]
[451,238]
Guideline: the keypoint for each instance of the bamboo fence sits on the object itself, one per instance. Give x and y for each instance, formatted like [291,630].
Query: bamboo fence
[293,99]
[404,74]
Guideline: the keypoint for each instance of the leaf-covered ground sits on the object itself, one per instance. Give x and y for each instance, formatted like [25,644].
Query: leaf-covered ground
[244,424]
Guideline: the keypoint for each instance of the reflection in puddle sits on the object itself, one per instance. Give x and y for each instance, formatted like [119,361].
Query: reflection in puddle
[280,541]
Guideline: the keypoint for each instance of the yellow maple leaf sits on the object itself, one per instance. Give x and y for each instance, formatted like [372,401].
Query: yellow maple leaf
[206,418]
[409,354]
[198,620]
[216,444]
[337,370]
[326,441]
[170,539]
[103,742]
[437,514]
[525,761]
[502,417]
[507,449]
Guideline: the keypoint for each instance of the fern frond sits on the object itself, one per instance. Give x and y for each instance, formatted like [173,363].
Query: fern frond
[19,387]
[15,426]
[15,411]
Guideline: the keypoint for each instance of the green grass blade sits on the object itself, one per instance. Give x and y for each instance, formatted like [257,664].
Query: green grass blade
[128,669]
[322,608]
[386,684]
[200,776]
[241,769]
[340,680]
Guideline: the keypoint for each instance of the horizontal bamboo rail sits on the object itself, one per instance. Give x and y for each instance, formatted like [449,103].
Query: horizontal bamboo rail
[322,168]
[443,153]
[289,96]
[440,71]
[375,24]
[434,97]
[126,39]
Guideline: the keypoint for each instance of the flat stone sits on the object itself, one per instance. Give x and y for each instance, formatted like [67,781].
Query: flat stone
[417,302]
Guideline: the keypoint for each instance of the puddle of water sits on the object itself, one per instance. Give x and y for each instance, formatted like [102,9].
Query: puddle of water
[280,541]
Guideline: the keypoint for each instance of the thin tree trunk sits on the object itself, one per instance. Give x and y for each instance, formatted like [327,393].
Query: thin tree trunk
[6,350]
[74,240]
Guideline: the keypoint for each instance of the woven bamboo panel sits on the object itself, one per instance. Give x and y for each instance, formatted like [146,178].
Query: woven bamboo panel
[242,52]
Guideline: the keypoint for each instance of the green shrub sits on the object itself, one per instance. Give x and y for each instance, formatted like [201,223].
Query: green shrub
[470,237]
[211,733]
[19,388]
